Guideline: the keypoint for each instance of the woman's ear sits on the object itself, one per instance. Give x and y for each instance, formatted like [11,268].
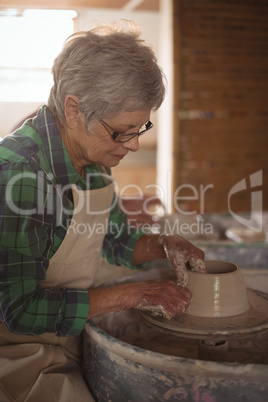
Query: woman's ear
[72,110]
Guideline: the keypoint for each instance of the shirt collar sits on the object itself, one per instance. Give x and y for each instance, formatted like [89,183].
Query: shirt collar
[56,153]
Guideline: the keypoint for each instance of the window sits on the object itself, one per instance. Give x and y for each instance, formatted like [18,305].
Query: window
[30,40]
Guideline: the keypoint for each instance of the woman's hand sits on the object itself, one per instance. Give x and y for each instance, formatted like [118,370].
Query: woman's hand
[163,298]
[180,251]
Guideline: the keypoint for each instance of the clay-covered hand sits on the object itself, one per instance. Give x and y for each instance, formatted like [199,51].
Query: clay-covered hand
[164,298]
[180,251]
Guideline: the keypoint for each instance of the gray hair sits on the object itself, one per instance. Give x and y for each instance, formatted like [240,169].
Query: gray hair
[110,69]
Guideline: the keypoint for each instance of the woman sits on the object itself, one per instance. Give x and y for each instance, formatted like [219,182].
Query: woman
[59,214]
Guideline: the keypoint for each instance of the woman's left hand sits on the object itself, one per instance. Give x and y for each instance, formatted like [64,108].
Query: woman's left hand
[180,251]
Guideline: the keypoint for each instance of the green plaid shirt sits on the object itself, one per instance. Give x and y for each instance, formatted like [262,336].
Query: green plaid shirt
[35,168]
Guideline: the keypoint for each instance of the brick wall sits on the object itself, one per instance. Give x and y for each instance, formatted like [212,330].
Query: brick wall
[221,100]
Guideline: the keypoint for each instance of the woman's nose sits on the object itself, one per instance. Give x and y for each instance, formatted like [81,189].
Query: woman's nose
[132,145]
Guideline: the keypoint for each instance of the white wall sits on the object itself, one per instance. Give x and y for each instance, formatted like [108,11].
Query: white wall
[11,113]
[148,21]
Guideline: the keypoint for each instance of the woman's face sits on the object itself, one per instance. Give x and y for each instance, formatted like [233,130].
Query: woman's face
[98,146]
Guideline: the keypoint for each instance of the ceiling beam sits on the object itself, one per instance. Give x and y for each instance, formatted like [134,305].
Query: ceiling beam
[125,5]
[132,5]
[116,4]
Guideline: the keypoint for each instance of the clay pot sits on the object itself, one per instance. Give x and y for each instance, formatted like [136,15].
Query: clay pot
[219,293]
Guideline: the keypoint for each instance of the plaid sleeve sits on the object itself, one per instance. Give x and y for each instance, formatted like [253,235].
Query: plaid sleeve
[26,236]
[120,240]
[26,308]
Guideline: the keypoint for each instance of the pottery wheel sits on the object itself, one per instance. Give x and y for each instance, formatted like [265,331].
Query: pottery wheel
[254,320]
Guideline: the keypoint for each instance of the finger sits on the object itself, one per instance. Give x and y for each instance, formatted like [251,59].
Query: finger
[163,309]
[197,265]
[175,307]
[165,299]
[181,273]
[156,310]
[186,293]
[176,292]
[177,261]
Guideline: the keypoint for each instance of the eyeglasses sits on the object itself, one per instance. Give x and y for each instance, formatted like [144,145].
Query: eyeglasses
[120,137]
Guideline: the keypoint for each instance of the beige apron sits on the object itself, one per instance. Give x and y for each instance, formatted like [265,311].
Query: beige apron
[47,368]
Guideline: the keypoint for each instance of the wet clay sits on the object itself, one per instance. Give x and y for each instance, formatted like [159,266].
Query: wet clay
[219,293]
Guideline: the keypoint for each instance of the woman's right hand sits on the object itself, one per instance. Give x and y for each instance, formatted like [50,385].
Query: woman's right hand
[163,298]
